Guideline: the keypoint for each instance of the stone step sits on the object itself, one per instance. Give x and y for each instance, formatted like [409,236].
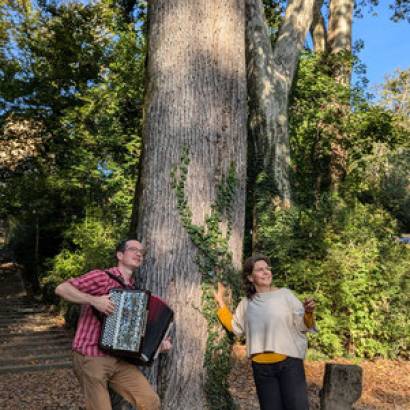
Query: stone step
[17,291]
[38,317]
[22,317]
[26,318]
[36,335]
[17,327]
[7,305]
[33,368]
[27,327]
[48,334]
[18,311]
[14,316]
[26,342]
[35,359]
[31,337]
[21,310]
[12,289]
[28,308]
[20,301]
[35,349]
[50,331]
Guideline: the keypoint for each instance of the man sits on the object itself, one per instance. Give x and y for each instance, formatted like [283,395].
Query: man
[93,367]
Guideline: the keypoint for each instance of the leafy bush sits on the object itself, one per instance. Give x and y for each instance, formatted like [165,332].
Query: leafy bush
[346,256]
[89,244]
[383,178]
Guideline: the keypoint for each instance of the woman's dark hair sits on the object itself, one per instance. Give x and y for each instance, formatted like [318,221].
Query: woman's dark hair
[247,270]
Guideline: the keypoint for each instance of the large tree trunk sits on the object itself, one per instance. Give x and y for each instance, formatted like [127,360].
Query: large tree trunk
[270,75]
[196,107]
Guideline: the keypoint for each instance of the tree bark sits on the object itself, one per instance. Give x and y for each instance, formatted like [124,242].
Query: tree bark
[270,75]
[291,38]
[195,102]
[340,36]
[318,29]
[340,48]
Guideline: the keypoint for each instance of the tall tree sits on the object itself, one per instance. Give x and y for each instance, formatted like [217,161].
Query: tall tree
[340,48]
[333,41]
[193,164]
[395,95]
[270,76]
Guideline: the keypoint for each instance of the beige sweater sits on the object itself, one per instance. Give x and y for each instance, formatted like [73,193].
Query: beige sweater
[272,322]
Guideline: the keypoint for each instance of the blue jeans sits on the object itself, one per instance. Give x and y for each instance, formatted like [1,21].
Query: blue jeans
[282,385]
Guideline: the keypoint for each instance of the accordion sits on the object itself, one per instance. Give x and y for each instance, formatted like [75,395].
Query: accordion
[138,325]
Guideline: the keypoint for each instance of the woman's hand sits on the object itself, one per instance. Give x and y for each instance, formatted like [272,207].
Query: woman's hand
[309,305]
[219,295]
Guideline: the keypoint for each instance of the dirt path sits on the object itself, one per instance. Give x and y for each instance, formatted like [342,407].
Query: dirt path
[386,383]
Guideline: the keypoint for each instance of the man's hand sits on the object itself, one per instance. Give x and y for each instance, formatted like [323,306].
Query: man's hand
[309,305]
[166,345]
[68,292]
[103,304]
[219,295]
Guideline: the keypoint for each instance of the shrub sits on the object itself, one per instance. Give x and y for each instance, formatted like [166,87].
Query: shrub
[346,256]
[89,244]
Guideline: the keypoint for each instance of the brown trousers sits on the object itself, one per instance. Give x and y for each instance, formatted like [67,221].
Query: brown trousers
[95,373]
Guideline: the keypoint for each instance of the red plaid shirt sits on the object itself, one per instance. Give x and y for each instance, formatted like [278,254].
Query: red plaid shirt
[87,336]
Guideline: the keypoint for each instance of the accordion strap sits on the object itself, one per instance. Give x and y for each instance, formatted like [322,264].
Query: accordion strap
[118,279]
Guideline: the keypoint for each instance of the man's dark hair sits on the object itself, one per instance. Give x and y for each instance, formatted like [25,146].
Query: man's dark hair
[122,244]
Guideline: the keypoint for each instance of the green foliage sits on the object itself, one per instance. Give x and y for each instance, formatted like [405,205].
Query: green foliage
[318,115]
[315,117]
[346,256]
[78,70]
[401,10]
[342,250]
[395,97]
[214,261]
[381,177]
[88,244]
[48,64]
[375,138]
[274,11]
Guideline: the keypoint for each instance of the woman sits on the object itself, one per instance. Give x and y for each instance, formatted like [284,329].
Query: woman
[274,322]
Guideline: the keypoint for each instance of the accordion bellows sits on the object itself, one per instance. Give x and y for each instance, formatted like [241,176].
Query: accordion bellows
[137,326]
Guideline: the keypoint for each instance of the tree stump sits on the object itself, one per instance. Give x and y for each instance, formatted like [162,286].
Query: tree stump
[342,386]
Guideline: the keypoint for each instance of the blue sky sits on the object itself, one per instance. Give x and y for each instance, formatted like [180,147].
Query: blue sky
[386,44]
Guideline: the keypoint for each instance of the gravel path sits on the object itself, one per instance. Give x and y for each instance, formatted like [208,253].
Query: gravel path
[386,386]
[41,390]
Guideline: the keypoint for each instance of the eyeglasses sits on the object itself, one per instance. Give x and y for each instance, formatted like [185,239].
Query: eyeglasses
[138,251]
[266,268]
